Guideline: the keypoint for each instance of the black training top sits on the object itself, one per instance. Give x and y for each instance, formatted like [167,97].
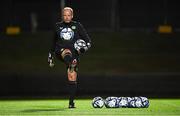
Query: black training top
[67,33]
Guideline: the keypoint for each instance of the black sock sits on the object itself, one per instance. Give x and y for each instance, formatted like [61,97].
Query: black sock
[72,91]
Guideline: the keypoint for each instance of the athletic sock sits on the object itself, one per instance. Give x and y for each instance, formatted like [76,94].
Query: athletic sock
[72,91]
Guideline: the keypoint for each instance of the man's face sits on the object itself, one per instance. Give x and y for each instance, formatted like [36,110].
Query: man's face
[67,16]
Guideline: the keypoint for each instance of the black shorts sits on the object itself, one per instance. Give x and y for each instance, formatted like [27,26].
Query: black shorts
[59,50]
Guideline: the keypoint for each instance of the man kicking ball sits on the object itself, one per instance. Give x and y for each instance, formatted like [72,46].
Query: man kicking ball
[71,40]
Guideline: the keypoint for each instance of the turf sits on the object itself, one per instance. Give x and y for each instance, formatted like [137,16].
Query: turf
[59,107]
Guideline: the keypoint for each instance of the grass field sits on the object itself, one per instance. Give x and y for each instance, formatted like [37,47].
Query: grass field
[157,107]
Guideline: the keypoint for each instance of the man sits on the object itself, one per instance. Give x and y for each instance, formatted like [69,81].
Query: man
[67,33]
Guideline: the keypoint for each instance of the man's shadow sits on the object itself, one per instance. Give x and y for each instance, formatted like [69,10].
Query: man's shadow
[43,110]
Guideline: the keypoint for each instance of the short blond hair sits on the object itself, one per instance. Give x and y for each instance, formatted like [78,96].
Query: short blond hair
[67,8]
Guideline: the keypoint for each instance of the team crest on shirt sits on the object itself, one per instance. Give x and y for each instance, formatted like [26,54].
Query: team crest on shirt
[67,34]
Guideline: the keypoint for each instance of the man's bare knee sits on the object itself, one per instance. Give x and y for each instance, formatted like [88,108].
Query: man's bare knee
[72,75]
[65,52]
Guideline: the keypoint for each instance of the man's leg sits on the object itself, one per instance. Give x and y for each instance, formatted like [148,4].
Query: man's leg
[72,77]
[66,56]
[72,74]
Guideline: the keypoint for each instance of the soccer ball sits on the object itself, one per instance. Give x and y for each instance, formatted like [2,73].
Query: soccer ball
[112,102]
[129,99]
[98,102]
[145,102]
[138,102]
[131,102]
[123,102]
[80,44]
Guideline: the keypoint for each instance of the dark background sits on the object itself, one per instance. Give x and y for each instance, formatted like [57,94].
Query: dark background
[129,57]
[114,14]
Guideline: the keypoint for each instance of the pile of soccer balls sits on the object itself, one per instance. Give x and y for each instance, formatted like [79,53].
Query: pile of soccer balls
[121,102]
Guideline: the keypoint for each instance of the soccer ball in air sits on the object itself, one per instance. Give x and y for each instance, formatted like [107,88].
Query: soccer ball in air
[80,44]
[98,102]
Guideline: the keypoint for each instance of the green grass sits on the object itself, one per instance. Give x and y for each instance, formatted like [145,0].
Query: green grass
[59,107]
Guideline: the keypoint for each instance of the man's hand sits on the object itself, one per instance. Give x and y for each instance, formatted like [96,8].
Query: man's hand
[50,60]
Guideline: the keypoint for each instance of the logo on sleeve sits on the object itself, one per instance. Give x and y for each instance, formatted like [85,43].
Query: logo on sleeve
[73,27]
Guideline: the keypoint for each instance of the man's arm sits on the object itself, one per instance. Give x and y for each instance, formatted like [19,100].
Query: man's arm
[52,51]
[84,35]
